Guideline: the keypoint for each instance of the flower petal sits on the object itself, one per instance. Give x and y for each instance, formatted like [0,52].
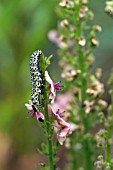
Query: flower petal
[33,110]
[39,116]
[57,86]
[61,139]
[62,134]
[28,106]
[52,88]
[64,131]
[59,118]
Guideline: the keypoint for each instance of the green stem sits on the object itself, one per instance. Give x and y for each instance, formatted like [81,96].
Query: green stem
[82,66]
[109,136]
[49,133]
[47,118]
[108,147]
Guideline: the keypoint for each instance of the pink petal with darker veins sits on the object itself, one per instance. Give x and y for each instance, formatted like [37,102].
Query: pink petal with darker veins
[61,136]
[39,116]
[33,110]
[52,89]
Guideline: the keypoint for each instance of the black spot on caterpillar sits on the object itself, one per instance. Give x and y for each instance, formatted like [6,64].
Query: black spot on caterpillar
[36,77]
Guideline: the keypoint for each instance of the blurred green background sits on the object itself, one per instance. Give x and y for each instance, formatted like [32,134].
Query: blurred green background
[24,26]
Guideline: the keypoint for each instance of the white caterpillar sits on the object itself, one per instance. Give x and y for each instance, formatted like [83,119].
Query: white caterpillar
[36,76]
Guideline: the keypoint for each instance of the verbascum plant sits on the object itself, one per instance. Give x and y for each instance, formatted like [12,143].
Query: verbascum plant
[76,39]
[104,136]
[73,118]
[41,105]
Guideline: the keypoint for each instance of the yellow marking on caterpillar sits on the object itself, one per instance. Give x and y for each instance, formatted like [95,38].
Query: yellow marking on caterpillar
[33,69]
[34,54]
[36,84]
[34,73]
[40,52]
[33,59]
[36,78]
[34,94]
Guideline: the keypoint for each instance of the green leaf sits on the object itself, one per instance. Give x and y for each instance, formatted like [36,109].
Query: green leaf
[39,151]
[47,60]
[44,149]
[56,159]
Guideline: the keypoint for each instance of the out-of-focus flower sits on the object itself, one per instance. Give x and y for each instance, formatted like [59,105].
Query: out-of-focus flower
[64,23]
[63,45]
[53,36]
[66,4]
[90,60]
[70,73]
[101,138]
[109,8]
[97,28]
[61,41]
[84,1]
[94,41]
[98,73]
[100,163]
[91,15]
[96,89]
[33,110]
[102,103]
[63,102]
[53,87]
[81,15]
[82,41]
[83,11]
[88,105]
[84,8]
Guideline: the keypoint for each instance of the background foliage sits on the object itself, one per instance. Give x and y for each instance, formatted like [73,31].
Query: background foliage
[23,29]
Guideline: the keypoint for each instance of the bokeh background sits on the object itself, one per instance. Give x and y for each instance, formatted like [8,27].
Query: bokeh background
[24,26]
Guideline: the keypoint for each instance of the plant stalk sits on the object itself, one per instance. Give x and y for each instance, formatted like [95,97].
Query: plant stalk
[48,132]
[82,66]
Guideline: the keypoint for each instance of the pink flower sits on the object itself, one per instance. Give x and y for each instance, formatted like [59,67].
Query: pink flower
[63,101]
[59,117]
[62,42]
[53,36]
[61,136]
[33,110]
[53,87]
[65,127]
